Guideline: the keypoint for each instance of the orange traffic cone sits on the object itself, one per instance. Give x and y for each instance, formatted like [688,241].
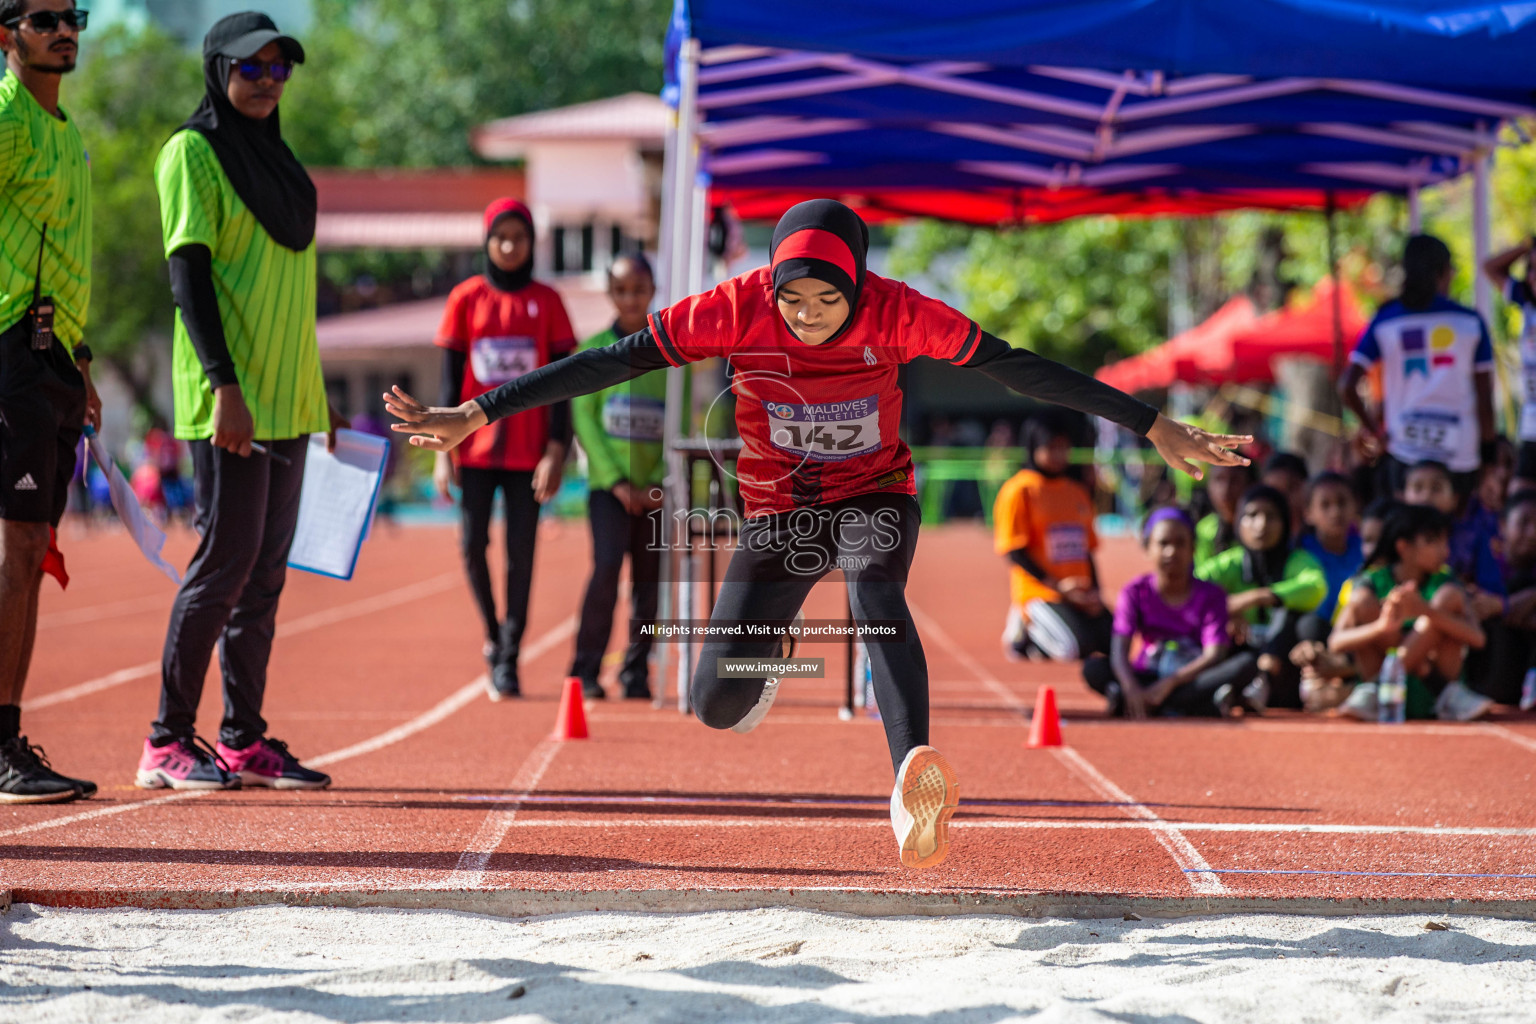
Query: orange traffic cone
[1045,729]
[571,719]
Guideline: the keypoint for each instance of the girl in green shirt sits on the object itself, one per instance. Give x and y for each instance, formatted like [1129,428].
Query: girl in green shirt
[1406,598]
[1272,587]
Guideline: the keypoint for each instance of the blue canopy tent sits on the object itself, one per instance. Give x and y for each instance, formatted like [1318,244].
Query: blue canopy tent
[1149,103]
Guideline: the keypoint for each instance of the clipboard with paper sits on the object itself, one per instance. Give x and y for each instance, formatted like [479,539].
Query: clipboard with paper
[336,505]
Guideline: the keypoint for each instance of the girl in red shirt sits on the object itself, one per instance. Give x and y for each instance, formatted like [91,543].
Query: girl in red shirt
[497,327]
[815,342]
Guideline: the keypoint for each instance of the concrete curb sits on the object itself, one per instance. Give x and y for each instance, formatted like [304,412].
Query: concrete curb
[534,902]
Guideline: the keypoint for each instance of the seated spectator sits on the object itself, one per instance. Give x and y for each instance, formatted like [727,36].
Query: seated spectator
[1217,532]
[1286,472]
[1474,540]
[1043,524]
[1186,664]
[1371,521]
[1331,536]
[1272,590]
[1505,669]
[1332,539]
[1407,600]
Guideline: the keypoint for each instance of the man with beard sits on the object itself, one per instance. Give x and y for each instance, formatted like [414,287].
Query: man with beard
[46,395]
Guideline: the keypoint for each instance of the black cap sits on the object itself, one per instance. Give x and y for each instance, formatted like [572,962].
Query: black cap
[241,35]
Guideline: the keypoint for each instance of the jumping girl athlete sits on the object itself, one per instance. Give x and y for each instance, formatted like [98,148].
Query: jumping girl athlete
[815,343]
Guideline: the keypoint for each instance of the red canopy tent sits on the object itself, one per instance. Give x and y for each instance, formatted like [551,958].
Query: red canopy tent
[1237,346]
[989,207]
[1178,357]
[1303,329]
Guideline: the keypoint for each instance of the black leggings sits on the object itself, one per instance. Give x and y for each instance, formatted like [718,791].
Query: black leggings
[1287,629]
[1193,698]
[779,557]
[478,487]
[616,533]
[1497,670]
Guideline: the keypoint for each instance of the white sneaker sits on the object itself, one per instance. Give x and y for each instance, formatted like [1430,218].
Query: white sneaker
[1361,703]
[1015,632]
[1457,703]
[926,795]
[760,709]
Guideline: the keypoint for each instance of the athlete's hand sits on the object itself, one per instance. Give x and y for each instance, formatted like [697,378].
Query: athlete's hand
[338,422]
[92,399]
[439,429]
[546,475]
[1182,446]
[1369,445]
[625,492]
[444,475]
[233,428]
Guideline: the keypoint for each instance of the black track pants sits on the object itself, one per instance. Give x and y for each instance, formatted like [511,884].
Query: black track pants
[778,559]
[478,497]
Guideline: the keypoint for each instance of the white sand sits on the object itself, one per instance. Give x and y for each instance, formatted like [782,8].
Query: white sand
[313,965]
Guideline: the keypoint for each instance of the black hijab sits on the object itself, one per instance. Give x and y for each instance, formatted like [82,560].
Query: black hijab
[1266,568]
[507,280]
[265,174]
[823,239]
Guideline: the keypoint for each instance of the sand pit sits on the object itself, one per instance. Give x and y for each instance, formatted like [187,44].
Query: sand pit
[282,964]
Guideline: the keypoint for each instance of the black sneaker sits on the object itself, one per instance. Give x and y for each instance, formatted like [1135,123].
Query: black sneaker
[636,689]
[25,777]
[502,683]
[591,689]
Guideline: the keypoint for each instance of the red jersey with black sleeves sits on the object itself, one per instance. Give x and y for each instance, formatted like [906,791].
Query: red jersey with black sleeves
[504,335]
[818,423]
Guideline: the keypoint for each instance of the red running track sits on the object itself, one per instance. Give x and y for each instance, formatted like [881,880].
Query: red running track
[444,798]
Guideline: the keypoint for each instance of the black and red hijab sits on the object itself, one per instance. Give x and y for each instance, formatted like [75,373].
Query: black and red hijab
[825,240]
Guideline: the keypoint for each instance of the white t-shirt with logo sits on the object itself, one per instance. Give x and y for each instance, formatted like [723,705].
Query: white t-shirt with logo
[1519,293]
[1429,360]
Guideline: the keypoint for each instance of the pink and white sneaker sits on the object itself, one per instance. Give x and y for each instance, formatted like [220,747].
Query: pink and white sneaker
[268,763]
[184,764]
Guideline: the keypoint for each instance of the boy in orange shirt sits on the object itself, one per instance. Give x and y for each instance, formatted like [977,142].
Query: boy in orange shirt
[1043,522]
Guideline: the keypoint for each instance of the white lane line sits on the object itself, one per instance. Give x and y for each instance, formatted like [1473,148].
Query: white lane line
[303,624]
[1050,824]
[458,699]
[1191,864]
[433,715]
[1183,852]
[98,612]
[470,870]
[931,627]
[1510,735]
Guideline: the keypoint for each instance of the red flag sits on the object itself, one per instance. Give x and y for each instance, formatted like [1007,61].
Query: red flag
[53,561]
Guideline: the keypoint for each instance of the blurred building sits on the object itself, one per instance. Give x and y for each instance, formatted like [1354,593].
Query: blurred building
[590,174]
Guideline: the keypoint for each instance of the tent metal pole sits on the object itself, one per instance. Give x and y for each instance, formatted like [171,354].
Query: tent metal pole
[1415,215]
[677,493]
[663,268]
[1481,240]
[1333,275]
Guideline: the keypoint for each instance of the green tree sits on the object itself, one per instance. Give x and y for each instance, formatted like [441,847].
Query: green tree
[130,93]
[401,83]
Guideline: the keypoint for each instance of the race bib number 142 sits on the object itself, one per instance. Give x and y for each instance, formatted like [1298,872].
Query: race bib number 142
[829,432]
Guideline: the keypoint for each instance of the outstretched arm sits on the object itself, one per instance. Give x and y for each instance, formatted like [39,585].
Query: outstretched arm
[1180,444]
[444,428]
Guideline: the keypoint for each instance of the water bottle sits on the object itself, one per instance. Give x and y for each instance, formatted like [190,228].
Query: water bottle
[1392,690]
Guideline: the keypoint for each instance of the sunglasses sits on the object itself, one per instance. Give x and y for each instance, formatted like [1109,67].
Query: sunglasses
[253,70]
[47,22]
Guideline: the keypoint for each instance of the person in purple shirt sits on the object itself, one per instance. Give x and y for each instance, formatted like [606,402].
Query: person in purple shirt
[1186,664]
